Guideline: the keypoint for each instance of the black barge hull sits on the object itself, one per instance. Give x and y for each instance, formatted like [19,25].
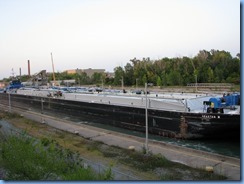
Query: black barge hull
[163,123]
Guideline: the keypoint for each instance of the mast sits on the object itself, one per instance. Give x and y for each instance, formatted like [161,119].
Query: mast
[53,70]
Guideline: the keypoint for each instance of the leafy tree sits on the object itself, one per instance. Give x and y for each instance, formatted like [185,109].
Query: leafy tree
[144,79]
[119,75]
[210,75]
[97,78]
[164,78]
[82,78]
[206,66]
[129,77]
[159,81]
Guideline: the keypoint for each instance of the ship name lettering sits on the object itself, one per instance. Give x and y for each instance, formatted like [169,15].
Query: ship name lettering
[208,116]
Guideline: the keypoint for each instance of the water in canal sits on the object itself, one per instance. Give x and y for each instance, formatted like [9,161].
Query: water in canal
[223,147]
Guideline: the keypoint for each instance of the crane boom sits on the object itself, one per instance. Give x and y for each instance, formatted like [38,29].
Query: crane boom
[53,70]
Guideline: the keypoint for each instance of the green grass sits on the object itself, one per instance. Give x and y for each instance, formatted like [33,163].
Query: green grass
[8,115]
[26,158]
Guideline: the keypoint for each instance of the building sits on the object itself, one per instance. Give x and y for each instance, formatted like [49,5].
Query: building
[88,71]
[71,71]
[2,84]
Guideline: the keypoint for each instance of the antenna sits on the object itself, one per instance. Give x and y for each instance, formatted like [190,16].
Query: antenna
[13,72]
[53,69]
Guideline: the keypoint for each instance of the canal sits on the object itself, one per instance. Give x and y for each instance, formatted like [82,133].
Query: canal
[224,147]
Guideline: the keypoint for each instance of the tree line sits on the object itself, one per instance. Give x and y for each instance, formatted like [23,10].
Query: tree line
[206,67]
[212,66]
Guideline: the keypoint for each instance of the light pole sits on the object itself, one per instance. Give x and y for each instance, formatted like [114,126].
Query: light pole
[146,119]
[196,82]
[102,85]
[122,83]
[9,101]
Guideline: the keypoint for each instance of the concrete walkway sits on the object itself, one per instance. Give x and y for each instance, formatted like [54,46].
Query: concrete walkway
[223,165]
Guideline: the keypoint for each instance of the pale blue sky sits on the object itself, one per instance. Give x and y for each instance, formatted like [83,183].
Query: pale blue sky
[108,33]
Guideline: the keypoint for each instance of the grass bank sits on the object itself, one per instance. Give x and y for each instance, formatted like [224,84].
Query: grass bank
[139,164]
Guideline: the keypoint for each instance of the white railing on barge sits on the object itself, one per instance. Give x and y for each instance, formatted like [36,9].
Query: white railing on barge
[182,102]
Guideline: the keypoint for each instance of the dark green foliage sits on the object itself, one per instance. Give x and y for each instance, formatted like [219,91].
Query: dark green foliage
[108,175]
[8,115]
[28,159]
[119,74]
[81,174]
[209,66]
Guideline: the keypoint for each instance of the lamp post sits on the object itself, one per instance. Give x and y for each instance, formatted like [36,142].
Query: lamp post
[146,120]
[122,83]
[9,101]
[196,82]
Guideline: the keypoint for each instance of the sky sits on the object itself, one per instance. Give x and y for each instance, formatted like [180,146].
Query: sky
[104,34]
